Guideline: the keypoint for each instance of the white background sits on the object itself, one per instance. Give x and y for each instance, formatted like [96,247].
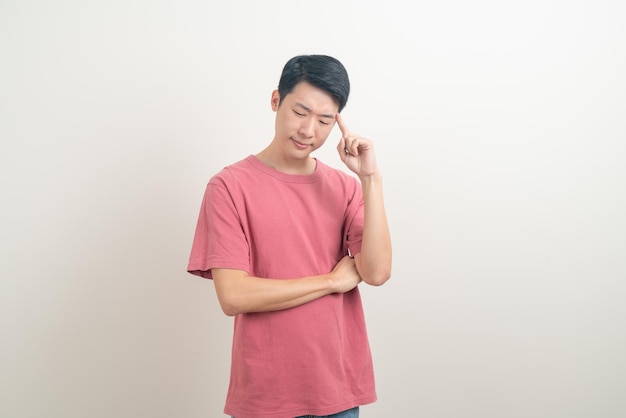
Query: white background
[501,131]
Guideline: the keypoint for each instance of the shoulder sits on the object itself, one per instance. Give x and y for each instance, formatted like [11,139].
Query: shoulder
[233,173]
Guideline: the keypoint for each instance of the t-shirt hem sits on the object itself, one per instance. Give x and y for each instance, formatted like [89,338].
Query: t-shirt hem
[303,411]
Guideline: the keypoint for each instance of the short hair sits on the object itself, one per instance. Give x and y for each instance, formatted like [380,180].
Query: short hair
[321,71]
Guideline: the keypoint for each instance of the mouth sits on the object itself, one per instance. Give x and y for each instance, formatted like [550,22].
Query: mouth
[300,145]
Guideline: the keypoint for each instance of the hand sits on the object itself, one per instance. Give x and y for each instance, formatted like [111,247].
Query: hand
[344,275]
[356,153]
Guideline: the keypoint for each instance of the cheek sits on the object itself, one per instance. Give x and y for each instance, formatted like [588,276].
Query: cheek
[322,135]
[323,131]
[290,123]
[285,123]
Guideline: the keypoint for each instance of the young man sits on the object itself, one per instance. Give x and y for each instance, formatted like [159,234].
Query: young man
[287,240]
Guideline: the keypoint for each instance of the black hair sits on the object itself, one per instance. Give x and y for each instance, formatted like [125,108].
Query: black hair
[321,71]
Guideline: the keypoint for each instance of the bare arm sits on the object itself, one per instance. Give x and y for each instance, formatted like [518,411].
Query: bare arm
[239,292]
[374,261]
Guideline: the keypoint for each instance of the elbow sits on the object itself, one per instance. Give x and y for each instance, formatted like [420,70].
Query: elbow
[378,277]
[229,311]
[378,280]
[373,272]
[230,307]
[230,298]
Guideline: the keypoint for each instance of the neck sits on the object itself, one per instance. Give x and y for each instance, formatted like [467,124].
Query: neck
[303,166]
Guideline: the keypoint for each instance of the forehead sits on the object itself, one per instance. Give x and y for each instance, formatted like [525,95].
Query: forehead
[313,98]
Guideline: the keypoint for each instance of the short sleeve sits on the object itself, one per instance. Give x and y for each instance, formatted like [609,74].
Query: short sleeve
[219,240]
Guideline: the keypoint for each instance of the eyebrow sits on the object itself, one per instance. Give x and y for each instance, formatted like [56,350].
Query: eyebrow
[324,115]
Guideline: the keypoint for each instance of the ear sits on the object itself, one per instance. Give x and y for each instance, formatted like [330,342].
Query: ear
[275,100]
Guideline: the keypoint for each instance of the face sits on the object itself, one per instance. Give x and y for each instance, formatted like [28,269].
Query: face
[304,120]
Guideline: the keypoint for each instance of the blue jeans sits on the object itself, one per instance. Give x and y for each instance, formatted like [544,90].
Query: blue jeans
[350,413]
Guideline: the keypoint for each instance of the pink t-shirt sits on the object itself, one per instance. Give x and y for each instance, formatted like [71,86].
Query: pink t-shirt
[311,359]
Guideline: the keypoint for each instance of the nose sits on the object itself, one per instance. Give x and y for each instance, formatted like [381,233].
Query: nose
[307,127]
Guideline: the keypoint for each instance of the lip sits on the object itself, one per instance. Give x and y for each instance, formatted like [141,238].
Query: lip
[300,145]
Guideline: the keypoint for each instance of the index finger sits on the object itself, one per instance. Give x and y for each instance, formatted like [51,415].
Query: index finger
[342,126]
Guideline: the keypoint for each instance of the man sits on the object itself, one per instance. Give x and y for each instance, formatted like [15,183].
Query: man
[286,240]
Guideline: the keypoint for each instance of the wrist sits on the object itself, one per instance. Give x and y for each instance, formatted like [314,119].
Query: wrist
[375,177]
[330,282]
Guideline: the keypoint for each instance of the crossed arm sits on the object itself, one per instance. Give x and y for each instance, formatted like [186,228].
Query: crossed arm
[239,292]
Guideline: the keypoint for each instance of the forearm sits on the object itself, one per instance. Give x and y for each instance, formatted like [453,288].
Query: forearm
[374,261]
[240,293]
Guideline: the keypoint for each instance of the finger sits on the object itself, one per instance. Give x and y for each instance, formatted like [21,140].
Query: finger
[341,147]
[352,145]
[342,126]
